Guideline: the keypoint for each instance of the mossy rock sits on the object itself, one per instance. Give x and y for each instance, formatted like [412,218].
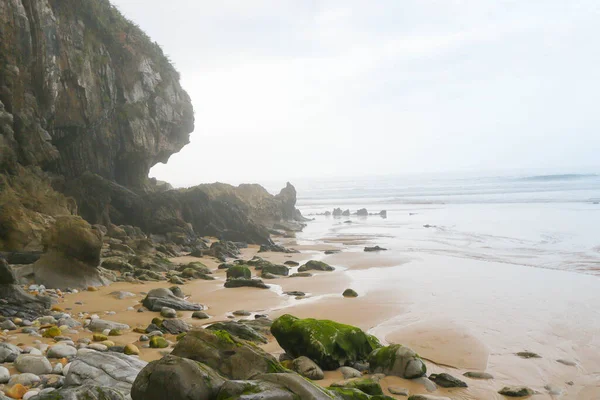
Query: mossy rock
[99,337]
[240,330]
[316,265]
[115,332]
[157,321]
[366,385]
[328,343]
[276,270]
[397,360]
[355,394]
[350,293]
[239,271]
[52,332]
[158,342]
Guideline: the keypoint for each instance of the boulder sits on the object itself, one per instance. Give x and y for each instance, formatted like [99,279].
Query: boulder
[61,351]
[301,387]
[307,368]
[349,372]
[397,360]
[174,326]
[158,298]
[176,378]
[239,271]
[33,364]
[242,282]
[15,301]
[232,357]
[447,380]
[109,369]
[100,325]
[374,248]
[254,390]
[328,343]
[478,375]
[350,293]
[366,385]
[239,330]
[276,270]
[315,265]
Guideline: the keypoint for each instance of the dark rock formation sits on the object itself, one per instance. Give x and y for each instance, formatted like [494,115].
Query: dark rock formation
[14,301]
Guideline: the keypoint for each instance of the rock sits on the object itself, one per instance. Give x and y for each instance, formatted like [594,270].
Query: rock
[349,372]
[349,293]
[122,295]
[397,360]
[99,325]
[73,255]
[241,313]
[115,332]
[176,280]
[242,282]
[61,351]
[478,375]
[276,270]
[427,397]
[292,263]
[200,315]
[254,390]
[446,380]
[85,392]
[232,357]
[239,330]
[239,271]
[569,363]
[158,298]
[301,275]
[30,394]
[295,293]
[374,248]
[52,332]
[174,326]
[362,212]
[528,354]
[8,325]
[398,391]
[16,391]
[131,350]
[114,370]
[177,292]
[158,342]
[369,386]
[4,375]
[97,347]
[26,379]
[168,312]
[302,388]
[99,337]
[38,365]
[176,378]
[117,264]
[516,391]
[307,368]
[53,381]
[315,265]
[328,343]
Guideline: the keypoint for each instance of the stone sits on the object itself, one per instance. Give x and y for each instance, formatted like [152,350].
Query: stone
[478,375]
[350,293]
[175,326]
[315,265]
[52,332]
[26,379]
[397,360]
[349,372]
[99,337]
[374,248]
[158,342]
[240,330]
[307,368]
[301,387]
[292,263]
[61,351]
[8,325]
[301,275]
[516,391]
[84,392]
[131,350]
[158,298]
[38,365]
[427,397]
[8,352]
[295,293]
[239,271]
[368,385]
[200,315]
[99,325]
[122,295]
[176,378]
[232,357]
[328,343]
[528,354]
[168,312]
[16,391]
[4,375]
[446,380]
[114,370]
[241,313]
[398,391]
[276,270]
[241,282]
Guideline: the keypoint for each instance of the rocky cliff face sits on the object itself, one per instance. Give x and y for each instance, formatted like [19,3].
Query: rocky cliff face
[88,103]
[87,90]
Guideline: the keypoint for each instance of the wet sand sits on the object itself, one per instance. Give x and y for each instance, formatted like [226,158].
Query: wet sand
[458,316]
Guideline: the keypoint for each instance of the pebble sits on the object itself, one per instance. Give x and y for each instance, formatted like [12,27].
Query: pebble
[30,394]
[25,379]
[27,363]
[66,369]
[144,338]
[97,347]
[168,312]
[349,372]
[61,351]
[4,375]
[57,369]
[8,325]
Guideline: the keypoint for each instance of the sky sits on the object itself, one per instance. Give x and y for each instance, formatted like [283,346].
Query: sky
[286,89]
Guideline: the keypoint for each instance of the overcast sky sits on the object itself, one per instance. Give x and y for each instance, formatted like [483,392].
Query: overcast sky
[287,89]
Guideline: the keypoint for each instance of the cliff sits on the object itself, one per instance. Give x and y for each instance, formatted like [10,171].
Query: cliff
[88,104]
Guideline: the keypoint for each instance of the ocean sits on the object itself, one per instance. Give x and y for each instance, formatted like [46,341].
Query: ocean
[543,221]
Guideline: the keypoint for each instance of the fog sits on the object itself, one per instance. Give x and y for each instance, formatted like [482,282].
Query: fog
[291,89]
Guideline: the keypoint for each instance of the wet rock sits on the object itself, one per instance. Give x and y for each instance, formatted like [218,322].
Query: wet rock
[315,265]
[398,391]
[350,293]
[427,397]
[174,326]
[301,275]
[292,263]
[478,375]
[302,388]
[254,390]
[307,368]
[516,391]
[295,293]
[4,375]
[232,357]
[328,343]
[369,386]
[276,270]
[374,248]
[240,282]
[158,298]
[176,378]
[158,342]
[446,380]
[100,325]
[397,360]
[239,330]
[349,372]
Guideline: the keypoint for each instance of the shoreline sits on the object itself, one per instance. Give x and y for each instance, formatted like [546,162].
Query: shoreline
[385,307]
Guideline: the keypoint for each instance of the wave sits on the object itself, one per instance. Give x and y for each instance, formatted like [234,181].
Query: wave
[558,177]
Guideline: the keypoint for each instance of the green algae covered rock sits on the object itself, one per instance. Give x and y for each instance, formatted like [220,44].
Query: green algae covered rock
[355,394]
[239,271]
[328,343]
[367,385]
[397,360]
[232,357]
[158,342]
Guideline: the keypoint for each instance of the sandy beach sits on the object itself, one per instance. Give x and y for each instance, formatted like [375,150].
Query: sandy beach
[475,319]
